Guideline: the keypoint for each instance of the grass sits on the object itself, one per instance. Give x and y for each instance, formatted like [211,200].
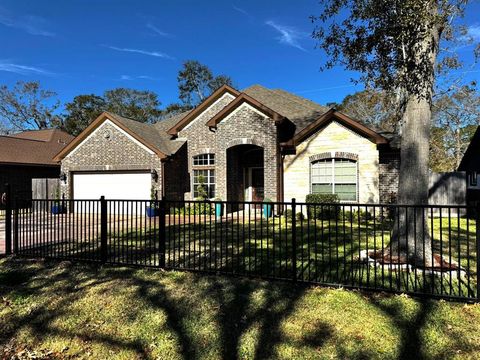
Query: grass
[328,251]
[59,310]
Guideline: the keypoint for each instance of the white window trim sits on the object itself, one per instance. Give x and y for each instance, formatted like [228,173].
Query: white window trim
[333,177]
[206,183]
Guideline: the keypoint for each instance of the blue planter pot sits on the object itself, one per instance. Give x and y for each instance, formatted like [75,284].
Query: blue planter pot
[152,211]
[58,209]
[267,210]
[218,210]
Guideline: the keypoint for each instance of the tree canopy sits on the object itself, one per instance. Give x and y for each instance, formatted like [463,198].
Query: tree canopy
[27,106]
[196,82]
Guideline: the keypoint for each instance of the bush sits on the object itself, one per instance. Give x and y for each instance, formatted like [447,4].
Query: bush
[323,212]
[194,209]
[300,216]
[288,215]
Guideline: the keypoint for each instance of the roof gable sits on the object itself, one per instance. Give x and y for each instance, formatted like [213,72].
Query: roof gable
[135,129]
[334,115]
[174,130]
[240,100]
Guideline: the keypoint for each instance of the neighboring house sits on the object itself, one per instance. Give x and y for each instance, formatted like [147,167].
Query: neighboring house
[250,145]
[471,165]
[29,155]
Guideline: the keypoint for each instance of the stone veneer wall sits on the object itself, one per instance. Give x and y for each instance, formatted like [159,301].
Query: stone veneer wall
[334,138]
[117,153]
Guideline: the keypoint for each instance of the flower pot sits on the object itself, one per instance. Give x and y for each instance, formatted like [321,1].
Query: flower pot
[267,210]
[218,210]
[58,209]
[152,211]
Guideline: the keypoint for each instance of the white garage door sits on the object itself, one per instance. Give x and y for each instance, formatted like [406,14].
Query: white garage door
[125,186]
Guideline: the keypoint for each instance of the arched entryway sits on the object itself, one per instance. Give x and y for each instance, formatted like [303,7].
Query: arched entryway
[245,173]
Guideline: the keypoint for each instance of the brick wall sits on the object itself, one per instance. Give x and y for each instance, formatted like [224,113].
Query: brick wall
[389,167]
[243,126]
[118,152]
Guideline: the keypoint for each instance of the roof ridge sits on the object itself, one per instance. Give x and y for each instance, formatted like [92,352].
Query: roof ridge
[23,139]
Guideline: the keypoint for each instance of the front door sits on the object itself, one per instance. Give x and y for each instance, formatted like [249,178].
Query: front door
[255,186]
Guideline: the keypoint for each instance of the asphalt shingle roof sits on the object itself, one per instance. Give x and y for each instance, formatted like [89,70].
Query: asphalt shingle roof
[300,111]
[36,147]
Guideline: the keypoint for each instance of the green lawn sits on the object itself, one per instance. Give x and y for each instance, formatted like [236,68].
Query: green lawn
[59,310]
[327,251]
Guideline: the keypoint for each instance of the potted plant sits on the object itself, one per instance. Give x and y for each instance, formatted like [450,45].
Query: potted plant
[152,209]
[267,208]
[58,207]
[218,207]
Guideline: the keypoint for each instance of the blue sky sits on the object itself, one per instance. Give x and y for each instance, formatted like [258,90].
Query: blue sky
[87,46]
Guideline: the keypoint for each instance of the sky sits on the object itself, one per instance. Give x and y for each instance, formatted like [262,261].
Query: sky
[88,46]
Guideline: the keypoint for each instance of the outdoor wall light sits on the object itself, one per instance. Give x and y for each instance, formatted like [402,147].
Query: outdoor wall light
[154,174]
[63,177]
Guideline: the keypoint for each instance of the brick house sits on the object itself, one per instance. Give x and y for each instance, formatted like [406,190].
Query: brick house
[247,145]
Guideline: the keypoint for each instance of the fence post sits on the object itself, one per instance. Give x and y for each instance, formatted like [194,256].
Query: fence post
[8,219]
[162,232]
[103,229]
[294,240]
[477,243]
[15,210]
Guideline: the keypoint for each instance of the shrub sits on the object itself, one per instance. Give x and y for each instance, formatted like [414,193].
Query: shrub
[323,212]
[300,216]
[288,215]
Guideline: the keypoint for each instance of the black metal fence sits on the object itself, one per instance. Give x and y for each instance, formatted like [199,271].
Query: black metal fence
[348,245]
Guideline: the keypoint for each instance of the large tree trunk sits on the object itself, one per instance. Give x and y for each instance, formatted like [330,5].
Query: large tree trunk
[410,236]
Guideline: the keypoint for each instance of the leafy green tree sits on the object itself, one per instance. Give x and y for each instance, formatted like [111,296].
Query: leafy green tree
[82,111]
[27,106]
[174,109]
[142,106]
[196,82]
[395,46]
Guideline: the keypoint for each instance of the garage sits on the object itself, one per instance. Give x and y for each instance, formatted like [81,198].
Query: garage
[112,185]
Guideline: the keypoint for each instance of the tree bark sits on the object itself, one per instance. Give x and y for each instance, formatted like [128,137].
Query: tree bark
[410,236]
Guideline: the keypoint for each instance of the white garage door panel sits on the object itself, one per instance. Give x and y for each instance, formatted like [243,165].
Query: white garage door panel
[128,186]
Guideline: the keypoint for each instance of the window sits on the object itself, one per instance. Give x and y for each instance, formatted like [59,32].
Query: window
[208,182]
[335,176]
[204,159]
[203,171]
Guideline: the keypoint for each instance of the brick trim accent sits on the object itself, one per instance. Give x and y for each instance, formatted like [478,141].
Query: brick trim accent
[243,141]
[334,155]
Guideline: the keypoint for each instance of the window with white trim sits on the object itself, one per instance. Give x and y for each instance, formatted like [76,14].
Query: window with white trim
[335,176]
[204,173]
[204,160]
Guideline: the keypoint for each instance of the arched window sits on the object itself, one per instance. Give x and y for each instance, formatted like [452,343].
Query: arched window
[204,174]
[335,176]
